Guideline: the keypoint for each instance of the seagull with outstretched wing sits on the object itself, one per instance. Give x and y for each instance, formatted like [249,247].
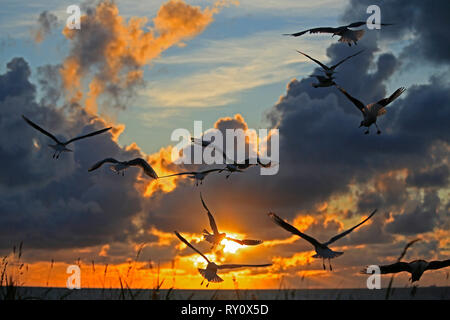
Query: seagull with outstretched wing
[322,249]
[121,166]
[216,237]
[373,110]
[346,34]
[329,71]
[199,176]
[210,273]
[60,146]
[231,165]
[416,268]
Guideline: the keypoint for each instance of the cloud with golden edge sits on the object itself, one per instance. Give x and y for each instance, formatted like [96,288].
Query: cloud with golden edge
[109,52]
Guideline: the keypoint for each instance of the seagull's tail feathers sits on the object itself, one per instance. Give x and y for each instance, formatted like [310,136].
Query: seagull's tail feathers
[210,277]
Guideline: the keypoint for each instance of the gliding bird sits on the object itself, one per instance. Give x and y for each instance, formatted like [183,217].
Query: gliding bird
[216,237]
[199,176]
[372,111]
[416,268]
[329,71]
[121,166]
[346,35]
[322,250]
[60,147]
[210,273]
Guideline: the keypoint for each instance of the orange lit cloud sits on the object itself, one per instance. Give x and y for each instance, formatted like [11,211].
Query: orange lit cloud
[124,47]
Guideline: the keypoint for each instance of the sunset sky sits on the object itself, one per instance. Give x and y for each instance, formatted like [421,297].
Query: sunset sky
[147,68]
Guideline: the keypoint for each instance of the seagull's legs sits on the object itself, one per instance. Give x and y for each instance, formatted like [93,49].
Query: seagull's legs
[329,261]
[378,129]
[323,264]
[207,285]
[123,174]
[202,282]
[54,155]
[367,131]
[57,155]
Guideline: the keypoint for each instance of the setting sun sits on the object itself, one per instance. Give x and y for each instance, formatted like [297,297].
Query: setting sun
[230,246]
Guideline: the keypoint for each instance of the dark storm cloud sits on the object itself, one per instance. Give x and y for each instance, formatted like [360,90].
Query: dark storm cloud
[51,203]
[421,219]
[435,177]
[426,21]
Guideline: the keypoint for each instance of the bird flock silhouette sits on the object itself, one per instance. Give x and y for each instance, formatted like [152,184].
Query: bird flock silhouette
[370,113]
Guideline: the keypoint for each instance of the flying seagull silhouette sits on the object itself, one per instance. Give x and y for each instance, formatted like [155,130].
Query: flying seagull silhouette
[416,268]
[216,237]
[60,147]
[322,250]
[346,35]
[374,110]
[121,166]
[199,176]
[210,273]
[329,71]
[231,165]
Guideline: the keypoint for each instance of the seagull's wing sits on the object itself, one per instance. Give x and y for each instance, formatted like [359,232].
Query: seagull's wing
[343,60]
[384,102]
[314,30]
[316,61]
[191,172]
[190,245]
[361,23]
[178,174]
[100,163]
[293,230]
[245,242]
[346,232]
[433,265]
[395,268]
[209,171]
[88,135]
[355,101]
[212,222]
[145,166]
[356,24]
[235,266]
[34,125]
